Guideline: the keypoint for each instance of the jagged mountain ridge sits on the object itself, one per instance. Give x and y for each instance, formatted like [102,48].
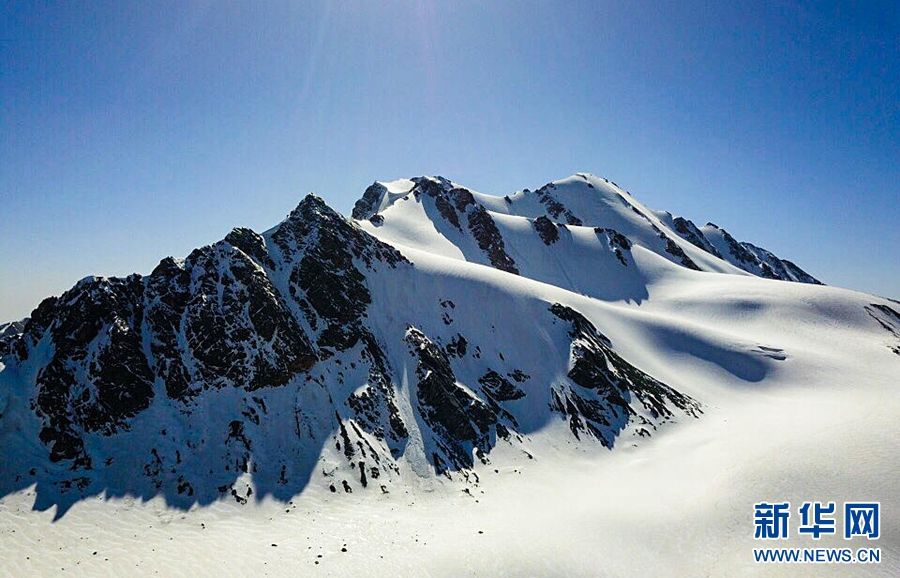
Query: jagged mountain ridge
[559,207]
[318,351]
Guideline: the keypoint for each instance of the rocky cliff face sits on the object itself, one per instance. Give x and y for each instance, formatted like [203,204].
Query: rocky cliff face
[745,255]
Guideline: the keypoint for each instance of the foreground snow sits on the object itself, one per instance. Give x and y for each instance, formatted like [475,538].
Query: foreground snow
[680,505]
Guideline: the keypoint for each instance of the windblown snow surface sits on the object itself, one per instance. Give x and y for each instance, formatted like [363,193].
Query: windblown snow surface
[797,384]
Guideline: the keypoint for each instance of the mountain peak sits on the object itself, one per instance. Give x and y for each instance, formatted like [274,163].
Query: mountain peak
[312,204]
[380,195]
[398,212]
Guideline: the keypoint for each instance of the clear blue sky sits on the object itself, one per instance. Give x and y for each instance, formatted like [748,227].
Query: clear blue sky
[134,130]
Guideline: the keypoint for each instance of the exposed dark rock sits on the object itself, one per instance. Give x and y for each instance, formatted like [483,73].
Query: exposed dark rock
[768,272]
[367,206]
[457,346]
[95,326]
[461,421]
[236,433]
[799,274]
[252,244]
[445,316]
[554,208]
[500,388]
[211,321]
[673,249]
[612,381]
[462,198]
[888,318]
[432,186]
[345,438]
[238,330]
[546,229]
[9,334]
[737,250]
[775,268]
[489,240]
[455,204]
[519,376]
[375,407]
[759,261]
[616,241]
[170,283]
[12,328]
[35,328]
[328,247]
[585,415]
[447,211]
[315,226]
[363,479]
[695,236]
[891,313]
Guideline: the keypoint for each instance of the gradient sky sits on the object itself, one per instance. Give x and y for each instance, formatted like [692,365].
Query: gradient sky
[134,130]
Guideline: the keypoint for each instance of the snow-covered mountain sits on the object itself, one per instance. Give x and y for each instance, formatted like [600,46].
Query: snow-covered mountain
[406,346]
[450,220]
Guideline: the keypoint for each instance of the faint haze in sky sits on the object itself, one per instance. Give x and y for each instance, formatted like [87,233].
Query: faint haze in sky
[134,130]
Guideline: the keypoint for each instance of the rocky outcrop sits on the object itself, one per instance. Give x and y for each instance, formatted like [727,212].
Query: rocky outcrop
[546,229]
[214,320]
[457,206]
[555,208]
[693,235]
[486,233]
[98,376]
[219,314]
[500,388]
[10,333]
[756,260]
[610,387]
[673,249]
[735,249]
[461,421]
[322,254]
[367,206]
[889,320]
[775,268]
[616,241]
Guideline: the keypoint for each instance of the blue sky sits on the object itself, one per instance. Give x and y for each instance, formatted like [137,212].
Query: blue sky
[134,130]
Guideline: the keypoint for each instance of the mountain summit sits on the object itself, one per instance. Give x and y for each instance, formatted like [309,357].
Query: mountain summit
[500,231]
[409,343]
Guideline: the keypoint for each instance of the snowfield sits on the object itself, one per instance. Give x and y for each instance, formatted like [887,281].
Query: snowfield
[678,505]
[795,385]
